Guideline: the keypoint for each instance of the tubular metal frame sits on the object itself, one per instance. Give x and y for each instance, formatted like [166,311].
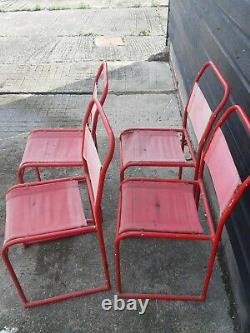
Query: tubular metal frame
[95,224]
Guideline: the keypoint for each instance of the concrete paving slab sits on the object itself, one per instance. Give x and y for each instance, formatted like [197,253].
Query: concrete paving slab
[89,22]
[104,41]
[37,5]
[20,113]
[33,50]
[124,77]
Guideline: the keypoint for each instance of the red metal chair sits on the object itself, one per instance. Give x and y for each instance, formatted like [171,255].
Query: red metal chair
[60,147]
[163,147]
[168,208]
[49,210]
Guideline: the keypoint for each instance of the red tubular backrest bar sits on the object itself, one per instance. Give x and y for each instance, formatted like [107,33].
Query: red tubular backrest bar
[102,70]
[220,163]
[96,170]
[197,107]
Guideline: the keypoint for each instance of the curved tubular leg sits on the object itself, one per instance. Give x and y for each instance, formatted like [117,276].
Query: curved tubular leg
[163,296]
[122,175]
[180,173]
[20,175]
[13,275]
[117,267]
[210,265]
[104,257]
[21,171]
[61,297]
[38,176]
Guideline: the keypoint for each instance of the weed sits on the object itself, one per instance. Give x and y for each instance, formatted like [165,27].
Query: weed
[88,34]
[37,8]
[145,32]
[58,8]
[83,7]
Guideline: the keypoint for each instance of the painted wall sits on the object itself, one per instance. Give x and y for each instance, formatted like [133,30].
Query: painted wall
[220,30]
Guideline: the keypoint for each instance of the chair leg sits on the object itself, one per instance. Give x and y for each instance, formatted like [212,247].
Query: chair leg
[38,176]
[210,265]
[122,175]
[20,175]
[13,275]
[117,266]
[61,297]
[167,297]
[104,258]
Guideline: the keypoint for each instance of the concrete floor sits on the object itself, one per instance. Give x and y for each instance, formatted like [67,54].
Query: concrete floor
[47,63]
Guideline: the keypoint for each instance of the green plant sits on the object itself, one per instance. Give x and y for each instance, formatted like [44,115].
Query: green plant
[37,8]
[82,6]
[89,34]
[58,8]
[145,32]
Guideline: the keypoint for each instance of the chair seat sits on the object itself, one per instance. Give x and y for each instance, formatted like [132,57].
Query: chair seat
[158,206]
[54,146]
[43,208]
[151,146]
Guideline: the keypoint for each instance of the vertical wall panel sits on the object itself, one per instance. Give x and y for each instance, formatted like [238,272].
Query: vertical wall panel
[220,30]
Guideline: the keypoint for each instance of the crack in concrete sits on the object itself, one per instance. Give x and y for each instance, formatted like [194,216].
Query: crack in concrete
[79,93]
[3,11]
[94,35]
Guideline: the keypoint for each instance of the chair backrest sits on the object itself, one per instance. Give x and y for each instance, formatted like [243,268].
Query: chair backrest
[94,168]
[198,110]
[101,72]
[217,157]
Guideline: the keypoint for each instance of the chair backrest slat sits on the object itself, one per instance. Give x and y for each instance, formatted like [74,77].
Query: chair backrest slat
[96,168]
[102,71]
[222,169]
[197,108]
[199,111]
[219,161]
[93,111]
